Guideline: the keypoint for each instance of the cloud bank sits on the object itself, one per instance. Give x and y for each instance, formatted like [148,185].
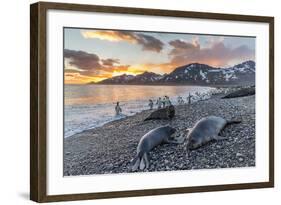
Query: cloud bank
[147,42]
[83,60]
[79,63]
[214,51]
[217,54]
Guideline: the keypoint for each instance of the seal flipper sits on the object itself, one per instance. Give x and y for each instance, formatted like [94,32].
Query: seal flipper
[217,137]
[146,160]
[229,122]
[175,141]
[136,163]
[142,164]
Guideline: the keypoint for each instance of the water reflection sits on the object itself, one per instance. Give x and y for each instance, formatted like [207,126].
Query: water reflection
[100,94]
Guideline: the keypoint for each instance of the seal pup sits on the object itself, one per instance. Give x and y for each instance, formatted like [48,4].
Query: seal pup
[162,114]
[150,140]
[243,92]
[206,130]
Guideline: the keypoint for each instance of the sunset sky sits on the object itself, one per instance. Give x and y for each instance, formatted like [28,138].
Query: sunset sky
[94,55]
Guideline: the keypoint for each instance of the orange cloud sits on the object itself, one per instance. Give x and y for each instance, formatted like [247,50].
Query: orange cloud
[217,55]
[77,78]
[147,42]
[109,35]
[82,67]
[90,66]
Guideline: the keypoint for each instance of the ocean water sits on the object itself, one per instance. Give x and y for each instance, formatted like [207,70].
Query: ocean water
[90,106]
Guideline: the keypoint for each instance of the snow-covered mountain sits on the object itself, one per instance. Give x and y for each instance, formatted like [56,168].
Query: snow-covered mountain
[202,74]
[121,79]
[146,77]
[193,74]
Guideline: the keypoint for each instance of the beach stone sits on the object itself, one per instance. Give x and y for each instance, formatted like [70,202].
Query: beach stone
[167,168]
[89,153]
[241,159]
[239,154]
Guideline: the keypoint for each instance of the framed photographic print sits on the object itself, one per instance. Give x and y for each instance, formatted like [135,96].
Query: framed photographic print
[134,102]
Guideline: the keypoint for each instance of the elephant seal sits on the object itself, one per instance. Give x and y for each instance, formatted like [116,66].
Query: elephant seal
[241,93]
[206,130]
[150,140]
[162,114]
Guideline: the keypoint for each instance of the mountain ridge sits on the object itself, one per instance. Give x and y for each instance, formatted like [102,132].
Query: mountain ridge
[191,74]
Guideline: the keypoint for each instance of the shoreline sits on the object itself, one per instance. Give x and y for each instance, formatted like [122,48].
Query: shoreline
[97,126]
[130,107]
[125,116]
[174,84]
[116,118]
[109,148]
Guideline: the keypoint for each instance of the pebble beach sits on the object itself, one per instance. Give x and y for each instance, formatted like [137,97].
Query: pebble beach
[111,147]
